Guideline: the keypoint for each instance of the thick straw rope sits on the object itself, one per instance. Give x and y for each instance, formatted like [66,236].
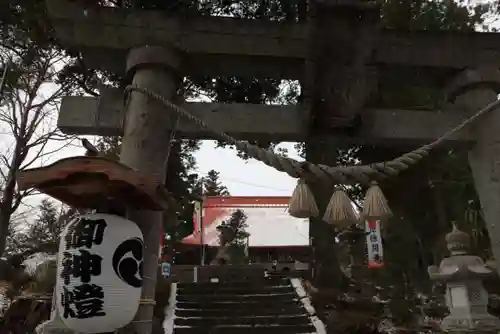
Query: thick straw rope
[318,172]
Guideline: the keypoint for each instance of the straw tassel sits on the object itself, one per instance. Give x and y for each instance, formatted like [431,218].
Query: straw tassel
[339,210]
[375,206]
[302,204]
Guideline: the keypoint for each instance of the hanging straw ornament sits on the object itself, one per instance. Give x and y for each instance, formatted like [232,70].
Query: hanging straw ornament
[375,206]
[339,210]
[302,204]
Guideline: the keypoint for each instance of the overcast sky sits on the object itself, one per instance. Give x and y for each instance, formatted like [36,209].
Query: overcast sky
[246,178]
[243,178]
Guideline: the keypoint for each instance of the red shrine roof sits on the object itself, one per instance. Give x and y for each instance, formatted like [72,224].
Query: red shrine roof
[269,223]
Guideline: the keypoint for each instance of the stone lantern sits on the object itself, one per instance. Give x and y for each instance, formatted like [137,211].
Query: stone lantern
[466,297]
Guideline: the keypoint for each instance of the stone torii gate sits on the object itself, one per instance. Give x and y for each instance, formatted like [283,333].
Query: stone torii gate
[340,56]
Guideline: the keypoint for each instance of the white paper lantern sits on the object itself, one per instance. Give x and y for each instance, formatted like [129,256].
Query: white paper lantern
[99,273]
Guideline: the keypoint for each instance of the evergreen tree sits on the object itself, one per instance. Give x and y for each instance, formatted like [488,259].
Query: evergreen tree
[233,237]
[212,186]
[43,233]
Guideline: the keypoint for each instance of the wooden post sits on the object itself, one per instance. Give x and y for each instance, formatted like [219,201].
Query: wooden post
[144,148]
[471,91]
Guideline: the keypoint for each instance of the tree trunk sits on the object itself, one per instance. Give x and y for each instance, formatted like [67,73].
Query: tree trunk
[5,215]
[7,199]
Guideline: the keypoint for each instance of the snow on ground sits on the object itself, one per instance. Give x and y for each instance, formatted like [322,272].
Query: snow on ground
[306,301]
[168,323]
[31,264]
[35,260]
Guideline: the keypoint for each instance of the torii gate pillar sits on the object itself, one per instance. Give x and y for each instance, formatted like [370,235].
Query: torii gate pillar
[144,148]
[326,268]
[471,91]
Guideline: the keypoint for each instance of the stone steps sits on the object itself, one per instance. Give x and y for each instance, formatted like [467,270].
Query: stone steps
[271,307]
[229,305]
[240,298]
[271,320]
[216,289]
[282,329]
[268,283]
[242,311]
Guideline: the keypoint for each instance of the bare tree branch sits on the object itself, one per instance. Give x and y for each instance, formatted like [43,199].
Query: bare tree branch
[28,112]
[41,154]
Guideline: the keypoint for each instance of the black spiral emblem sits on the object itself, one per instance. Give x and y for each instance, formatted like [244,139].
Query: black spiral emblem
[127,262]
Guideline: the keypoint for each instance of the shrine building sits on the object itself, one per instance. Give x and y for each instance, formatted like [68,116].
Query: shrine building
[274,235]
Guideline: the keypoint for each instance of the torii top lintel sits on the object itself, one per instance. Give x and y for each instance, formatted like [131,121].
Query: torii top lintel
[229,46]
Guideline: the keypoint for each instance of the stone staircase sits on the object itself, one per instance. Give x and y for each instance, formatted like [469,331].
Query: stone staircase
[273,307]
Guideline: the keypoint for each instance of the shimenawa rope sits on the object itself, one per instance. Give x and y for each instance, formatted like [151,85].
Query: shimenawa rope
[318,172]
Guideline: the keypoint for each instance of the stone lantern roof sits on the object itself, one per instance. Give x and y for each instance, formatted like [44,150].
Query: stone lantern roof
[460,265]
[457,241]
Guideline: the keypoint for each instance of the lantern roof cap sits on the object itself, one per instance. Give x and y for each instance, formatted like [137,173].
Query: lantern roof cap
[458,242]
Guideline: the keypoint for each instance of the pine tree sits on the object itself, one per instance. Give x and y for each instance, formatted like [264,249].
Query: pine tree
[42,234]
[213,186]
[233,237]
